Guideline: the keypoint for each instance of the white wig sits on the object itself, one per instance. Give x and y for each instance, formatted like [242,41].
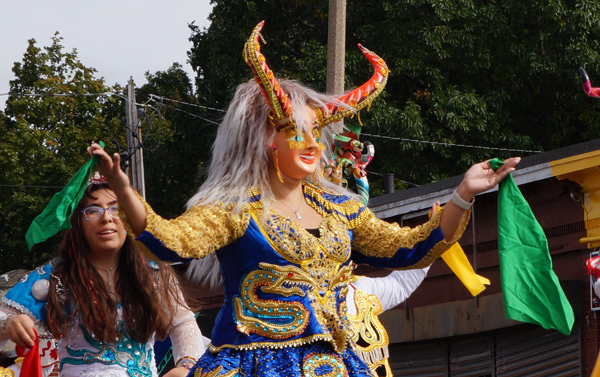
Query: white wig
[240,153]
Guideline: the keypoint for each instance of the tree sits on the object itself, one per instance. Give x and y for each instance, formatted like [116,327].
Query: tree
[501,75]
[175,157]
[43,139]
[290,27]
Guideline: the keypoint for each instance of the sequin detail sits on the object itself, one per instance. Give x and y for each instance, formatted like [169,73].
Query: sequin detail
[323,365]
[381,239]
[288,362]
[196,233]
[275,319]
[344,208]
[367,332]
[321,256]
[127,353]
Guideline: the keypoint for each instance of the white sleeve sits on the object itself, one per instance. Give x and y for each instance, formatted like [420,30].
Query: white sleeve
[7,346]
[186,338]
[393,289]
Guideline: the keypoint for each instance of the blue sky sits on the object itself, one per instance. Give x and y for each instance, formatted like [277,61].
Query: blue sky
[120,38]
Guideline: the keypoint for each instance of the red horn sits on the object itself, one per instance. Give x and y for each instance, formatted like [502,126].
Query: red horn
[362,96]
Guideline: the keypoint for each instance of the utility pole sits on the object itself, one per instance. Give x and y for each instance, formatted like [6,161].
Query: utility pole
[134,140]
[336,46]
[336,51]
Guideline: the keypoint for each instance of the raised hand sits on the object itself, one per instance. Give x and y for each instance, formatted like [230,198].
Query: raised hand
[481,177]
[110,168]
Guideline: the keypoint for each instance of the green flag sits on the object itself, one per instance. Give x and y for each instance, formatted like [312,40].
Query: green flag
[55,217]
[531,290]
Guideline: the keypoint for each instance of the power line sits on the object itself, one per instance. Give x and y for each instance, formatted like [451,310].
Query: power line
[152,96]
[450,144]
[395,179]
[186,112]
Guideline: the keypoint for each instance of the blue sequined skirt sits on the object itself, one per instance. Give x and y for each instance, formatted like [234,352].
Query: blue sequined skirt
[312,360]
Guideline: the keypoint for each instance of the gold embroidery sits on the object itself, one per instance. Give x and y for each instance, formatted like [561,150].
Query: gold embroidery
[377,367]
[367,332]
[197,232]
[345,209]
[276,344]
[320,257]
[215,373]
[5,372]
[365,325]
[316,364]
[280,319]
[379,238]
[276,319]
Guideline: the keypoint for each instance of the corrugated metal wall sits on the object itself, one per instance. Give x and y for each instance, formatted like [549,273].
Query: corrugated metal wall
[538,352]
[522,351]
[429,359]
[472,357]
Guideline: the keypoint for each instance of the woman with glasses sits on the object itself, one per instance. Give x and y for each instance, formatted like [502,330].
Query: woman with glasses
[101,300]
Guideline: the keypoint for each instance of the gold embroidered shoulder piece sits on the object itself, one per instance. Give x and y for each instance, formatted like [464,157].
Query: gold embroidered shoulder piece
[197,232]
[378,238]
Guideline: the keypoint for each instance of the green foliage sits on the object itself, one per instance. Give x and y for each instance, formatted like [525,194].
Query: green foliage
[501,75]
[495,74]
[290,27]
[43,140]
[173,169]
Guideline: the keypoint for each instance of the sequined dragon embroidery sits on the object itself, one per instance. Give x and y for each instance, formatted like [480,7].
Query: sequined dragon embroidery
[283,319]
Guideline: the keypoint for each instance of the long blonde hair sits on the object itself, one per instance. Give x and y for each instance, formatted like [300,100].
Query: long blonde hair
[240,155]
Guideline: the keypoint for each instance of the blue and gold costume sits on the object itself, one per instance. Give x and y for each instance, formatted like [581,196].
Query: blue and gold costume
[285,289]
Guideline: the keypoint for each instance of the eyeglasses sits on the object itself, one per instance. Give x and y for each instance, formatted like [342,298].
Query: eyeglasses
[94,213]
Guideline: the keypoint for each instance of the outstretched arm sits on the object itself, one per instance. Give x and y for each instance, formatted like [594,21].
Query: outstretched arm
[129,203]
[479,178]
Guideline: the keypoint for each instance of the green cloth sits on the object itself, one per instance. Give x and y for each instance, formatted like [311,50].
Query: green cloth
[530,287]
[55,217]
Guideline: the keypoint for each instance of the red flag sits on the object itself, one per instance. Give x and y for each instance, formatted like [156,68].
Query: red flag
[32,362]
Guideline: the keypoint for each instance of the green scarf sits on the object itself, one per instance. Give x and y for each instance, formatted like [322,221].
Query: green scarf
[531,290]
[55,217]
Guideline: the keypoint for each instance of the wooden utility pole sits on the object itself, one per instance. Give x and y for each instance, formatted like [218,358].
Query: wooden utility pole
[134,148]
[336,46]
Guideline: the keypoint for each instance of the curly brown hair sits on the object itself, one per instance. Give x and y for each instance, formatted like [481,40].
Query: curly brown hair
[149,294]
